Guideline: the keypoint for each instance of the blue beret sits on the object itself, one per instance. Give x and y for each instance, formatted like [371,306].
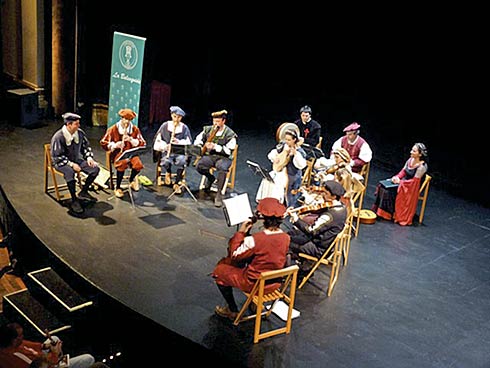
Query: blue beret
[69,117]
[177,110]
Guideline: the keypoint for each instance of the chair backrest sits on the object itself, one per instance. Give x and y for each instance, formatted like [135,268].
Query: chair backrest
[330,257]
[308,172]
[232,175]
[286,292]
[423,193]
[365,173]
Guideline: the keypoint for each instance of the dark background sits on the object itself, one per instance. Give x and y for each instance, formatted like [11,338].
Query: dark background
[409,77]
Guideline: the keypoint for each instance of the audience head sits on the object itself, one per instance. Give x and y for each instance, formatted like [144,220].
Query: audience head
[11,335]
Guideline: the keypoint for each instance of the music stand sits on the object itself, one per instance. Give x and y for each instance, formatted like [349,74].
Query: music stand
[130,153]
[188,150]
[257,169]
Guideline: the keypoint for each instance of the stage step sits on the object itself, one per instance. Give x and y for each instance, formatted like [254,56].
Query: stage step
[21,306]
[52,284]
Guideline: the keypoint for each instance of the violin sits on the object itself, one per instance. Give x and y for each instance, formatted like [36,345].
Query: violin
[309,208]
[309,189]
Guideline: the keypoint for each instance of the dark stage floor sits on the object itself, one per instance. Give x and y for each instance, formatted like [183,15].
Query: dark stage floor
[410,296]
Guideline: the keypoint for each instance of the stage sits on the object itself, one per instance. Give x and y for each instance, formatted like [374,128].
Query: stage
[410,296]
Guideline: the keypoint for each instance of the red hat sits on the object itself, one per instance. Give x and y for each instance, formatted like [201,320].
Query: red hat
[271,207]
[352,127]
[127,114]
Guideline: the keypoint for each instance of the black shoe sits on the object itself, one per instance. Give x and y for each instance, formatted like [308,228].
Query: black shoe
[86,196]
[76,207]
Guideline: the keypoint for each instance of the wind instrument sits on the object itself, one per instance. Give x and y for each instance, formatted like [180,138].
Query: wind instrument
[210,139]
[169,147]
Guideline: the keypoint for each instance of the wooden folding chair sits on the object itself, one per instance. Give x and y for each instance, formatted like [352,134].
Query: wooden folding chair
[50,169]
[346,237]
[230,175]
[359,198]
[286,292]
[331,257]
[308,172]
[423,193]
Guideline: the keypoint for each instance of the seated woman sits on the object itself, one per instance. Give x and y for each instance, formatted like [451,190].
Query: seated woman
[399,202]
[288,161]
[325,168]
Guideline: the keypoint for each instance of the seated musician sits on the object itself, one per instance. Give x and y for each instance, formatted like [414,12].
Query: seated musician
[315,236]
[309,129]
[71,153]
[290,159]
[359,150]
[172,132]
[250,255]
[118,138]
[325,168]
[218,141]
[400,202]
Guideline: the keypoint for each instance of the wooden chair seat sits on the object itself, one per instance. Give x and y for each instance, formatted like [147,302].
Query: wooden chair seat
[286,292]
[331,258]
[60,190]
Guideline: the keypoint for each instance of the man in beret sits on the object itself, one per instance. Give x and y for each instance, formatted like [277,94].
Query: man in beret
[172,132]
[315,236]
[218,142]
[118,138]
[71,153]
[309,128]
[250,255]
[359,150]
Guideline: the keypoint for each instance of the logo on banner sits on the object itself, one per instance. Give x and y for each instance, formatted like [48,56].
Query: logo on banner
[128,54]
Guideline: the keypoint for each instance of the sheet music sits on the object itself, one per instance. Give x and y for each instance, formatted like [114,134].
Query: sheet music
[131,152]
[237,209]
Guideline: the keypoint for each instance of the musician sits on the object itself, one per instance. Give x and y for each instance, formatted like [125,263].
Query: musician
[71,153]
[326,168]
[118,138]
[172,132]
[250,255]
[293,159]
[400,202]
[309,129]
[359,150]
[315,237]
[218,141]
